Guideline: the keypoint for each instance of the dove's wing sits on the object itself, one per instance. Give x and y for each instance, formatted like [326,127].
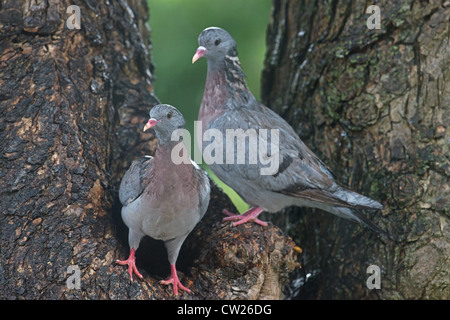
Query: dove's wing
[300,173]
[134,180]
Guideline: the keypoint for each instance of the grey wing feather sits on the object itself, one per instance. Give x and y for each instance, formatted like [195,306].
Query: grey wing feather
[297,163]
[300,174]
[134,180]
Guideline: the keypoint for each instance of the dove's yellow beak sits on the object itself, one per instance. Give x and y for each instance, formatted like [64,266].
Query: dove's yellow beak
[199,53]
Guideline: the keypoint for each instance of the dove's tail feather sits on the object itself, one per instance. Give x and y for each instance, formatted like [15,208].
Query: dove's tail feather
[356,200]
[356,215]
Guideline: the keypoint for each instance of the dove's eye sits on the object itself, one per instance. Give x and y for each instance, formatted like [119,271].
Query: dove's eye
[169,115]
[217,42]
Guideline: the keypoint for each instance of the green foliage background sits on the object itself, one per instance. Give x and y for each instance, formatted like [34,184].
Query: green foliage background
[176,25]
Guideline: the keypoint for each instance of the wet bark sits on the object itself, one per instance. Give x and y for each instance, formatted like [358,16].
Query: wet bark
[73,102]
[375,106]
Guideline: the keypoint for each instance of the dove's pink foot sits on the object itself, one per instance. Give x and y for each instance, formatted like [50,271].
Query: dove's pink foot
[131,262]
[250,215]
[174,280]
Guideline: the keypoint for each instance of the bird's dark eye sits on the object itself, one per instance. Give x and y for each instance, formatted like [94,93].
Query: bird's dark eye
[217,42]
[169,115]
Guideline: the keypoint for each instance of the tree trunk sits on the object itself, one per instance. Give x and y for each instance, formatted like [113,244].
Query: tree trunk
[374,105]
[73,103]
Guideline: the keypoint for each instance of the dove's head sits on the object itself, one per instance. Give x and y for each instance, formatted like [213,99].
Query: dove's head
[214,44]
[164,120]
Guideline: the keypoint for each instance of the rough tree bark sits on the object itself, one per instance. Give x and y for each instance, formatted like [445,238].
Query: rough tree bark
[374,105]
[72,106]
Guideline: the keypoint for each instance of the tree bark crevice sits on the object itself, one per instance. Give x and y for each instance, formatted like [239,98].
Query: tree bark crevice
[73,104]
[374,105]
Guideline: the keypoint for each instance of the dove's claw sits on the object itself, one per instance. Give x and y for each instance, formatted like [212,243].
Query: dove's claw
[131,262]
[175,281]
[248,216]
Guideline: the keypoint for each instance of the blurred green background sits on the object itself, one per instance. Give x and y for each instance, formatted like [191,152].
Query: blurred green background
[176,25]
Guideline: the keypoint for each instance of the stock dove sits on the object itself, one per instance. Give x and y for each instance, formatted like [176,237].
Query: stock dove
[162,199]
[302,179]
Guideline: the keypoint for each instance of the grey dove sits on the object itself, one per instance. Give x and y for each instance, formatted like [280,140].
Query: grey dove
[163,198]
[302,179]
